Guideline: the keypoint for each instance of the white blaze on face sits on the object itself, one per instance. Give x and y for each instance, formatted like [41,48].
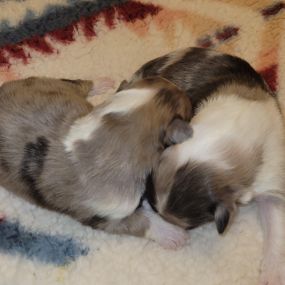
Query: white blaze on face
[224,123]
[122,102]
[224,126]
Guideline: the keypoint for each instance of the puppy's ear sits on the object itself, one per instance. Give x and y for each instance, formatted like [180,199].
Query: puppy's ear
[222,217]
[122,86]
[177,132]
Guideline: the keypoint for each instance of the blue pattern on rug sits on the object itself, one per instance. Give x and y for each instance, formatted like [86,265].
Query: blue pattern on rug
[58,250]
[54,17]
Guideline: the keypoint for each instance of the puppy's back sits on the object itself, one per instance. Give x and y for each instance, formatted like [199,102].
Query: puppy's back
[201,72]
[34,115]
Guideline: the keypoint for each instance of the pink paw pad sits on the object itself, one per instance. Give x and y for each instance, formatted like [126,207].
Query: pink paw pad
[101,86]
[274,276]
[167,235]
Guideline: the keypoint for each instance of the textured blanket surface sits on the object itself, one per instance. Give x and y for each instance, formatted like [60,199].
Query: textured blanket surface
[106,41]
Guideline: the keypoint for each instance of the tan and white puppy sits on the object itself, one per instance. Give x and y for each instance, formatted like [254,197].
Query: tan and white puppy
[236,154]
[91,163]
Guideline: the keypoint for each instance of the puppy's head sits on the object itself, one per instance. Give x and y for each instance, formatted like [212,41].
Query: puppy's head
[167,112]
[192,194]
[167,95]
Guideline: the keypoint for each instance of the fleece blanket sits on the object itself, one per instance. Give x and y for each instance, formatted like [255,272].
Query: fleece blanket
[106,41]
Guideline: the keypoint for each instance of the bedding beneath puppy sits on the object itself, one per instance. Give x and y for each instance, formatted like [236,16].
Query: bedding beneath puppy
[106,41]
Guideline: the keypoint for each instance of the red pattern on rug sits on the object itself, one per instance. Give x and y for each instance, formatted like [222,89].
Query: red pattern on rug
[127,12]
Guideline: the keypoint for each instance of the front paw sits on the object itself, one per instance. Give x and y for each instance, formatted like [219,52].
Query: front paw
[173,240]
[101,85]
[273,276]
[167,235]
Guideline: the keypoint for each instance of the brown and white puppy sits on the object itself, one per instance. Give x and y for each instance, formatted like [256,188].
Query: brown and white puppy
[236,153]
[61,153]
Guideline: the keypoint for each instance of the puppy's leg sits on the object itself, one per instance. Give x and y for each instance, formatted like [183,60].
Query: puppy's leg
[47,85]
[101,86]
[272,211]
[169,236]
[82,88]
[144,222]
[1,217]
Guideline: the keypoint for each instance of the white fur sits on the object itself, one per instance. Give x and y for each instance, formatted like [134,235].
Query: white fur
[270,176]
[81,130]
[167,235]
[128,100]
[222,120]
[273,218]
[122,102]
[232,121]
[117,208]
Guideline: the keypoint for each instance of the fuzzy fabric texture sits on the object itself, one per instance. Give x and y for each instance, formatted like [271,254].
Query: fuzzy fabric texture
[106,41]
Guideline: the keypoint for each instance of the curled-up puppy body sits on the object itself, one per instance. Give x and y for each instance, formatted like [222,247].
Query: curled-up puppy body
[58,151]
[236,153]
[199,72]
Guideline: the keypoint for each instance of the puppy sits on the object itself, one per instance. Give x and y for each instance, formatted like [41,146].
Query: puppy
[91,163]
[236,153]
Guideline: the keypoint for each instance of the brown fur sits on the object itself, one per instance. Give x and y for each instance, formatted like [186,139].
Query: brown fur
[201,72]
[29,108]
[135,146]
[204,74]
[107,170]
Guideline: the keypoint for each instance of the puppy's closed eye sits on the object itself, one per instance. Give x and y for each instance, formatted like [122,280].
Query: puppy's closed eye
[177,132]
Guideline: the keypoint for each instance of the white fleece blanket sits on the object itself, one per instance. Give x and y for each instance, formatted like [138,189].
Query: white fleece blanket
[106,41]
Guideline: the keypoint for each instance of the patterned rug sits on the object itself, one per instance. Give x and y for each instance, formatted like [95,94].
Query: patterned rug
[106,41]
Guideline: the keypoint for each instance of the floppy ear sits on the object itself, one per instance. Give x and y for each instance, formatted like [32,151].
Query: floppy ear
[122,86]
[222,217]
[177,132]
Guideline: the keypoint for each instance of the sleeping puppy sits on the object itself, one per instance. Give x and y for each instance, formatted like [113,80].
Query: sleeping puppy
[236,153]
[91,163]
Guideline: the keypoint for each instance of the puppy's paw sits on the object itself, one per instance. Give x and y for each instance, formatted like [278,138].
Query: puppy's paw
[101,86]
[167,235]
[273,276]
[173,240]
